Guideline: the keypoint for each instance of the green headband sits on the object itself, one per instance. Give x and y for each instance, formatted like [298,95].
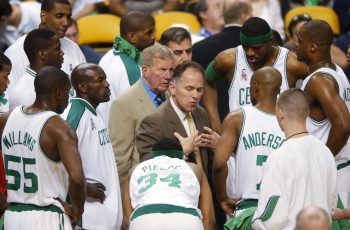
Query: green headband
[170,153]
[255,40]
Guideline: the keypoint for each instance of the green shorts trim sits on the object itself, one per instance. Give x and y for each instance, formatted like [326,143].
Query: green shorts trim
[163,208]
[19,207]
[247,203]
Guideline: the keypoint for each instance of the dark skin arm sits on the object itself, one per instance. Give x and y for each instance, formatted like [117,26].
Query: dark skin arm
[95,191]
[295,70]
[322,92]
[59,143]
[224,66]
[205,203]
[232,126]
[117,7]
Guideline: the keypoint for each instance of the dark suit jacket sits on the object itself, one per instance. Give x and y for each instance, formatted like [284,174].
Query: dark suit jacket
[162,123]
[206,50]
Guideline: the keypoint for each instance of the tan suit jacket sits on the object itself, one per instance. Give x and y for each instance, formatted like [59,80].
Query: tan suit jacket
[126,113]
[163,122]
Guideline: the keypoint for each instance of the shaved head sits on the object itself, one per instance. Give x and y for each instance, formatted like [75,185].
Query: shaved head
[265,83]
[313,218]
[81,75]
[317,31]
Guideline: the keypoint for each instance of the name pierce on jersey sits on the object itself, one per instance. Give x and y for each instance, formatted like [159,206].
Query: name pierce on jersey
[19,138]
[262,139]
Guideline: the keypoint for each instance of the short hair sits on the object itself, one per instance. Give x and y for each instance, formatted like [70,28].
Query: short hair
[296,19]
[255,26]
[167,144]
[174,34]
[156,51]
[5,8]
[4,60]
[48,5]
[181,68]
[294,103]
[233,11]
[37,39]
[49,79]
[133,21]
[201,6]
[277,39]
[316,215]
[318,31]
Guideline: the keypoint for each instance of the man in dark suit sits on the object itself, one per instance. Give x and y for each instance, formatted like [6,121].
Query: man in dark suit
[236,12]
[178,115]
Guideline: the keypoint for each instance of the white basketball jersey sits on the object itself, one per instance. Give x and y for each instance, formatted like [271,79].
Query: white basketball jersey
[239,94]
[260,135]
[98,164]
[164,180]
[31,178]
[320,129]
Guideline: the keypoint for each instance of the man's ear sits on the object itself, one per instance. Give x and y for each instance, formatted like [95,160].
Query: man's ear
[43,16]
[145,70]
[82,88]
[131,37]
[313,47]
[172,88]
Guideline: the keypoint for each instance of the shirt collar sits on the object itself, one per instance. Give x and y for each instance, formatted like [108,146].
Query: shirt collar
[179,112]
[84,103]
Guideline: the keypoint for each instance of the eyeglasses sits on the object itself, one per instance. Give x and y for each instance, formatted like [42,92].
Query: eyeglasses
[296,19]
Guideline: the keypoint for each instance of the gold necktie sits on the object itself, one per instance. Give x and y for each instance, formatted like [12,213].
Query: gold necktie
[193,129]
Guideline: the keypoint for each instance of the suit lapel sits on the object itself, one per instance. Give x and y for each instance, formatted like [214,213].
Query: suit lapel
[143,99]
[174,120]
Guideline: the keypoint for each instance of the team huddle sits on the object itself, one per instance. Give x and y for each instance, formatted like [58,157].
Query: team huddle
[126,144]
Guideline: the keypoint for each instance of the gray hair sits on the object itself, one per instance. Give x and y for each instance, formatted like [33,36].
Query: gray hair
[156,51]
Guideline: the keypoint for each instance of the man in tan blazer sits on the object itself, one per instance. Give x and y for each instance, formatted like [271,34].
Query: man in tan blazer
[136,102]
[170,120]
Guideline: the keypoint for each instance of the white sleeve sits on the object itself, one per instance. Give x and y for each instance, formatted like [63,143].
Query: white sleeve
[272,212]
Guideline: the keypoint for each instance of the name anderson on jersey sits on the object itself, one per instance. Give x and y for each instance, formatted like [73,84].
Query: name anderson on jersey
[262,139]
[19,138]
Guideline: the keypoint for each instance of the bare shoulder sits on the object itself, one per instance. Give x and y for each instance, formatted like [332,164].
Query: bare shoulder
[59,129]
[233,118]
[224,61]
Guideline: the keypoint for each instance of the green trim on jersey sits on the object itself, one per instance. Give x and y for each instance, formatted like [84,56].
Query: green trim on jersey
[343,165]
[270,207]
[246,203]
[75,113]
[169,153]
[31,72]
[132,68]
[84,103]
[20,207]
[285,69]
[242,129]
[211,74]
[234,70]
[163,208]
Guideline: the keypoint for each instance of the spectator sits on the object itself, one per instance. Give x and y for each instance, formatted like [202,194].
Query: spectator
[73,34]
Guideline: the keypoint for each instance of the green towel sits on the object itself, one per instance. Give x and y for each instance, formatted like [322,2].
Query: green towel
[243,221]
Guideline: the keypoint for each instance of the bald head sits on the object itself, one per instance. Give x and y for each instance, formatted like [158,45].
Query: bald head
[317,31]
[265,84]
[83,74]
[313,218]
[133,21]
